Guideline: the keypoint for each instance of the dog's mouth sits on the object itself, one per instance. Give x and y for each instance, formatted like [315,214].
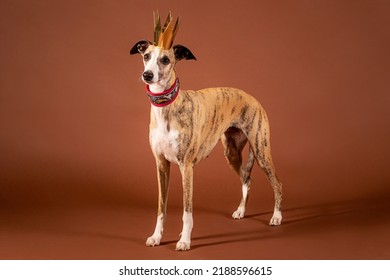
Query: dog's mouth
[149,81]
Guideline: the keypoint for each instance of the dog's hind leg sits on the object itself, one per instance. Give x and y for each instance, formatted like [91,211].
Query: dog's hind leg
[234,141]
[260,143]
[269,169]
[163,170]
[246,183]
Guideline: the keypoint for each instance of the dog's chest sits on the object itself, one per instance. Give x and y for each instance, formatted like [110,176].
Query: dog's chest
[164,141]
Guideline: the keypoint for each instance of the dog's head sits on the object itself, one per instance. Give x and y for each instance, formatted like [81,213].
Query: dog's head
[158,62]
[161,57]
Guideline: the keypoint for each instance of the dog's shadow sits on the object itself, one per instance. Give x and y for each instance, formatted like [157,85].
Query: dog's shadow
[222,238]
[230,237]
[325,217]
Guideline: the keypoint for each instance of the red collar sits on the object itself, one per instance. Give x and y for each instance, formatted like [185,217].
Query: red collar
[164,98]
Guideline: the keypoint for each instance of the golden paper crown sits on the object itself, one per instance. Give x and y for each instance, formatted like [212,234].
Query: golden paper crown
[163,37]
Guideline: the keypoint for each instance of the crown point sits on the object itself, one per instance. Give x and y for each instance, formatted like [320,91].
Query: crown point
[164,36]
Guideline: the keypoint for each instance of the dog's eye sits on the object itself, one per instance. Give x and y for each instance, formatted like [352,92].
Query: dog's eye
[146,57]
[165,60]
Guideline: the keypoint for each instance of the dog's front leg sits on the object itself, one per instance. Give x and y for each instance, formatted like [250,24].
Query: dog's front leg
[187,178]
[163,169]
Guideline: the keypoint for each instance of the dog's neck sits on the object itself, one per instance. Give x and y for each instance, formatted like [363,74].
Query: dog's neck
[161,95]
[164,98]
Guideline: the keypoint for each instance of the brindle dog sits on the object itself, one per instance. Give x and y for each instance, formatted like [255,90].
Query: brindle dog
[186,125]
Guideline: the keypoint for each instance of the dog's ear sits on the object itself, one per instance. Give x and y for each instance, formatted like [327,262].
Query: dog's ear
[140,47]
[182,52]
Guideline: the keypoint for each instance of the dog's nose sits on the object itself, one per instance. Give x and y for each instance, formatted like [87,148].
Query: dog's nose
[148,76]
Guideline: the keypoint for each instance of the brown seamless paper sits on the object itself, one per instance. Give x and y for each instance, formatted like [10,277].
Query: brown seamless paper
[76,171]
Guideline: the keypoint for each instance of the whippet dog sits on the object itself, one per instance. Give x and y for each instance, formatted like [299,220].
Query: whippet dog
[185,125]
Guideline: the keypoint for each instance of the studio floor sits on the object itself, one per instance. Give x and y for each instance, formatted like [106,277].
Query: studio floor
[345,230]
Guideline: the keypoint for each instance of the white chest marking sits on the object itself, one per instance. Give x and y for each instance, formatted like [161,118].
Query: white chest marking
[164,142]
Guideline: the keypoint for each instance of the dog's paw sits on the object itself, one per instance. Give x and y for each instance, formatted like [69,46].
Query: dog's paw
[183,246]
[239,213]
[276,220]
[153,241]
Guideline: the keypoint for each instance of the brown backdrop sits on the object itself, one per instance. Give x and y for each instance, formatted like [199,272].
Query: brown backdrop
[77,175]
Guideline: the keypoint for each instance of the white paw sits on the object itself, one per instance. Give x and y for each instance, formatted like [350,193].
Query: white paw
[276,220]
[153,241]
[183,246]
[239,213]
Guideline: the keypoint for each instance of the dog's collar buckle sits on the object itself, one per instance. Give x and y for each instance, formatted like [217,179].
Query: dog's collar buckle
[164,98]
